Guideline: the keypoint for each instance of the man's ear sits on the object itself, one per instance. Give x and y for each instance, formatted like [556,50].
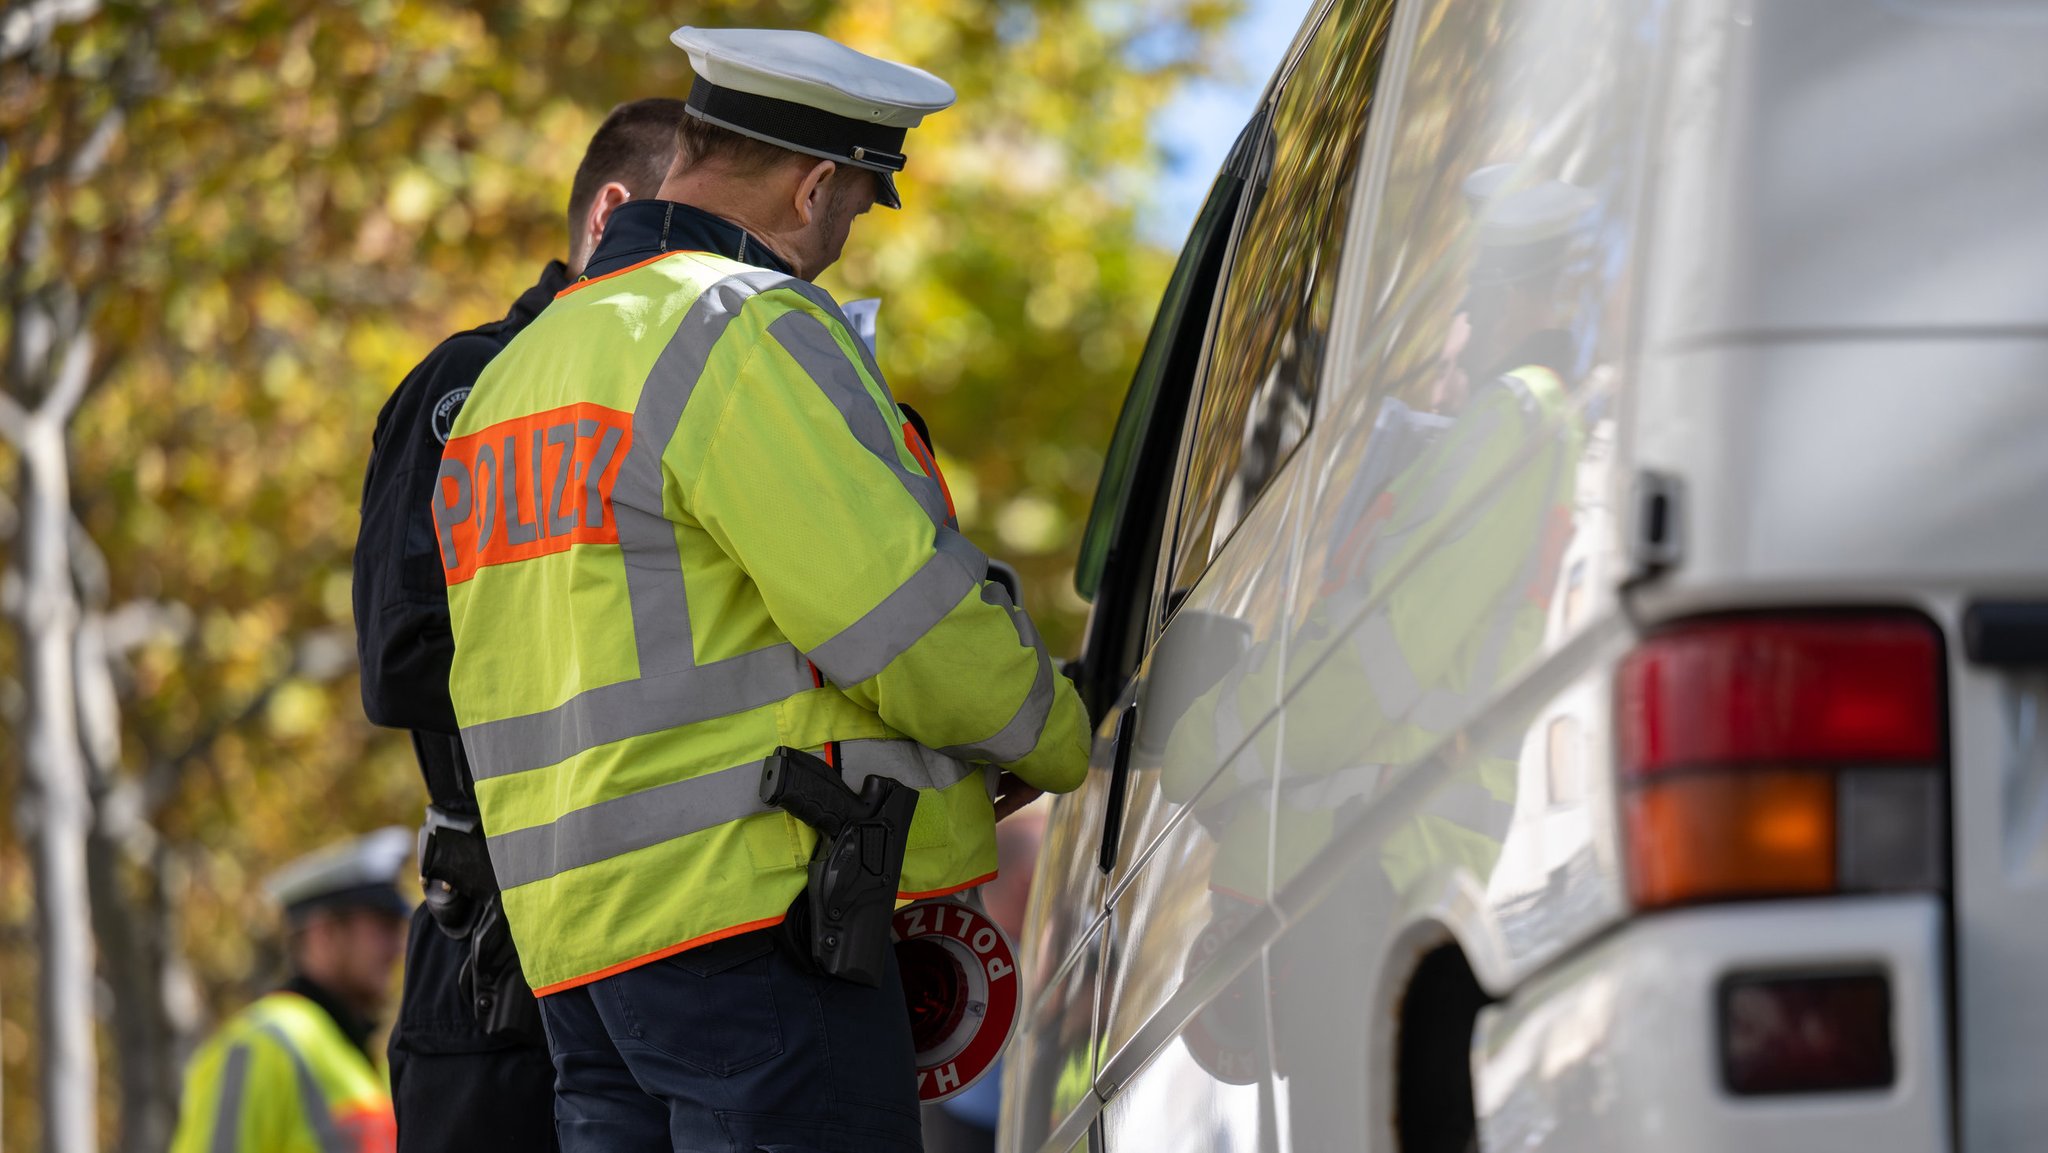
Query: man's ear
[602,206]
[810,191]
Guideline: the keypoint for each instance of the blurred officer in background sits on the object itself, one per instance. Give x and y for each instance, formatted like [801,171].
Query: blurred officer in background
[684,523]
[293,1071]
[469,1066]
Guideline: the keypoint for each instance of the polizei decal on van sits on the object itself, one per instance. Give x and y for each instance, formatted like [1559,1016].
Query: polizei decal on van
[528,487]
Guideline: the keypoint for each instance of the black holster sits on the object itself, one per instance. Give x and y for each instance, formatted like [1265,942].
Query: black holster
[856,866]
[461,895]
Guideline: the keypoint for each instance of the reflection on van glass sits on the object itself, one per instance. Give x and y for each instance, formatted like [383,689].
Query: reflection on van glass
[1274,325]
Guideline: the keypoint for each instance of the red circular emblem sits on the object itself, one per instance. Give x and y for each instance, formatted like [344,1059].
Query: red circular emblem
[960,982]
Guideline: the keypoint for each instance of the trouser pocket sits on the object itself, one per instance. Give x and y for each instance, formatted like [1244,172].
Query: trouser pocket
[712,1008]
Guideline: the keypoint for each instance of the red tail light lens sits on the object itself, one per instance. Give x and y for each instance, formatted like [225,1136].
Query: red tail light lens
[1777,756]
[1776,691]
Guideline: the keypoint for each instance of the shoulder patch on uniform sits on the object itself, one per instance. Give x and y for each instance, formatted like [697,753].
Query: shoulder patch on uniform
[445,411]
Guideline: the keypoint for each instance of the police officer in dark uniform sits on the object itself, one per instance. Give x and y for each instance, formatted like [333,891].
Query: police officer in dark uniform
[469,1064]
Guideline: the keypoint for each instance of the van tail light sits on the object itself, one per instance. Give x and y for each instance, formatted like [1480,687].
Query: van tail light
[1806,1033]
[1775,756]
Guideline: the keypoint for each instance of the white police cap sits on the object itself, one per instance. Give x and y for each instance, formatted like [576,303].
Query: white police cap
[361,872]
[1527,232]
[809,94]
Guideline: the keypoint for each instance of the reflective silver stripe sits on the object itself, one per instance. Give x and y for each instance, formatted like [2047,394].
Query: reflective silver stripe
[319,1112]
[885,632]
[227,1113]
[647,538]
[905,761]
[664,813]
[830,307]
[823,359]
[621,825]
[1017,738]
[636,708]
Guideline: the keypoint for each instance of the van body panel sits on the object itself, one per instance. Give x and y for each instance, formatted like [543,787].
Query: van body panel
[1178,937]
[1049,1070]
[1172,1105]
[1195,859]
[1828,473]
[2000,757]
[1908,461]
[1617,1049]
[1844,166]
[1067,892]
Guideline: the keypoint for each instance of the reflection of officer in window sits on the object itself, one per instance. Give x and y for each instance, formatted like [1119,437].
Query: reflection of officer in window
[1433,585]
[1515,305]
[1448,538]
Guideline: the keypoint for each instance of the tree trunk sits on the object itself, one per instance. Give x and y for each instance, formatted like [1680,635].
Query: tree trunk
[131,915]
[56,810]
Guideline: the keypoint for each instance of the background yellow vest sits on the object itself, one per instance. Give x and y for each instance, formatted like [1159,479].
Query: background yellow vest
[281,1077]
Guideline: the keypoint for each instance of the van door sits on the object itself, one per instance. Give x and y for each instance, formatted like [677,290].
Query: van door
[1445,709]
[1052,1069]
[1184,1039]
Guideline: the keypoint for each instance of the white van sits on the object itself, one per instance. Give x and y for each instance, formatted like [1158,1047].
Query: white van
[1570,583]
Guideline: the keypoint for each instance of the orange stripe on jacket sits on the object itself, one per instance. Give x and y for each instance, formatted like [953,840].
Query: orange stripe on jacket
[929,463]
[658,954]
[587,281]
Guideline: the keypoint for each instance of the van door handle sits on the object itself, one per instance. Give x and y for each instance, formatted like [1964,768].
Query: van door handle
[1119,779]
[2006,634]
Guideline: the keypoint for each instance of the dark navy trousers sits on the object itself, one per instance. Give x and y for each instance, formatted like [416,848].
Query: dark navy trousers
[733,1047]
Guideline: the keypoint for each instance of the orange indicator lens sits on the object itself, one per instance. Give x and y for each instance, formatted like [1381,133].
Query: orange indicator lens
[1730,836]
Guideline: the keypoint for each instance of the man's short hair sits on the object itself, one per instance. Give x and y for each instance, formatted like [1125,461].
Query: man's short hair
[701,142]
[634,146]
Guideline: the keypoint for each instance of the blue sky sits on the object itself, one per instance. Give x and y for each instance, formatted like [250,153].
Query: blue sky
[1196,129]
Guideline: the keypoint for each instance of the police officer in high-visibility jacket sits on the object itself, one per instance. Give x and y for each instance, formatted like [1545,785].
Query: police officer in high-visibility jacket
[685,524]
[293,1072]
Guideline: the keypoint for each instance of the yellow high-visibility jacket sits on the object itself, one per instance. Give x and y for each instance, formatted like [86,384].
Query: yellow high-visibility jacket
[683,522]
[281,1077]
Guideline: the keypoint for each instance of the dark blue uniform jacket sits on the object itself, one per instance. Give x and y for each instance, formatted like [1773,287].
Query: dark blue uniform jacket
[401,598]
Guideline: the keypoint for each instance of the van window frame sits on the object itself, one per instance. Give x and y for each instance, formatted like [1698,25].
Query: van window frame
[1163,390]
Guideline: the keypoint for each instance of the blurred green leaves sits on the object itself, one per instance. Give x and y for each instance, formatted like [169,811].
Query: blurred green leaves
[303,197]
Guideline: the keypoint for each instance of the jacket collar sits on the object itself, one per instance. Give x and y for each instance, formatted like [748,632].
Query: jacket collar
[553,279]
[640,230]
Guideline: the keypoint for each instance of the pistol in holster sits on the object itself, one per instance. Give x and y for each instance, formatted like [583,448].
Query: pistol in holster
[856,865]
[461,895]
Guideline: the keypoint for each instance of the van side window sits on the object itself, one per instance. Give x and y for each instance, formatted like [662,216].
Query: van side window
[1267,351]
[1121,546]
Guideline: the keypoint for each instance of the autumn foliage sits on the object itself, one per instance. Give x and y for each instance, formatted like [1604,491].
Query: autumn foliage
[253,216]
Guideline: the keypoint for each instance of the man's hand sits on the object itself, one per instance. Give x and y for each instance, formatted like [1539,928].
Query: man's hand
[1013,794]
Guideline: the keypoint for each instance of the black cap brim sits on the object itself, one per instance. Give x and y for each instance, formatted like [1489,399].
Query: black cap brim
[383,898]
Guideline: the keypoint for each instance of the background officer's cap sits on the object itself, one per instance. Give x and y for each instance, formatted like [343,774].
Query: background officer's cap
[361,873]
[811,95]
